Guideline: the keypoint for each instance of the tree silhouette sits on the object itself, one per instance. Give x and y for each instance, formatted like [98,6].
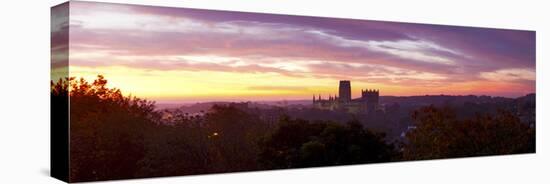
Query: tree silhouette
[176,147]
[299,143]
[113,136]
[106,129]
[440,135]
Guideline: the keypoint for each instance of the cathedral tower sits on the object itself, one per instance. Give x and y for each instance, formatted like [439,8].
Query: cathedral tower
[370,96]
[344,91]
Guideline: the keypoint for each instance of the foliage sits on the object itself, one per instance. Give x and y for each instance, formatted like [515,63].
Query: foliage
[113,136]
[299,143]
[440,135]
[106,129]
[223,140]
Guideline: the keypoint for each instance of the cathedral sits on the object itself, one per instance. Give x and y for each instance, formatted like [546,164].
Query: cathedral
[368,102]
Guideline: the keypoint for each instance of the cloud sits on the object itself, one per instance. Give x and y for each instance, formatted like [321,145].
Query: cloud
[406,49]
[238,33]
[171,39]
[277,88]
[519,74]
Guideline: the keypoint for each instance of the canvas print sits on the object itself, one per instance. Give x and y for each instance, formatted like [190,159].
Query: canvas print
[145,91]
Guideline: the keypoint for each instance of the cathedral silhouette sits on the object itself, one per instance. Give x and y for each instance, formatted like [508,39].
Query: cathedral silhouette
[368,102]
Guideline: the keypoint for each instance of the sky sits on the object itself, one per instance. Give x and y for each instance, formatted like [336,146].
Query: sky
[189,55]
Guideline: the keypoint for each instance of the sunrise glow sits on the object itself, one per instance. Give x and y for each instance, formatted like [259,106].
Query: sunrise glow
[174,54]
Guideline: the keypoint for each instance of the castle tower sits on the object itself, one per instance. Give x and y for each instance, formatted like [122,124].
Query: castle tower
[371,98]
[344,91]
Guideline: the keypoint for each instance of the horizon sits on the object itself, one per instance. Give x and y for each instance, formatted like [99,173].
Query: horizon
[191,102]
[179,54]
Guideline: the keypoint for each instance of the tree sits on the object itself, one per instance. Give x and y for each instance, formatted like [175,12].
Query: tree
[299,143]
[233,135]
[439,134]
[177,148]
[106,129]
[222,140]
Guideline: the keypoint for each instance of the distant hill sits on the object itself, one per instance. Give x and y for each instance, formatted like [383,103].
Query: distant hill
[440,99]
[197,107]
[403,101]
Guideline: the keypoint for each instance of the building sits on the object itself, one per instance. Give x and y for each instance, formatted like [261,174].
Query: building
[368,102]
[370,98]
[344,91]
